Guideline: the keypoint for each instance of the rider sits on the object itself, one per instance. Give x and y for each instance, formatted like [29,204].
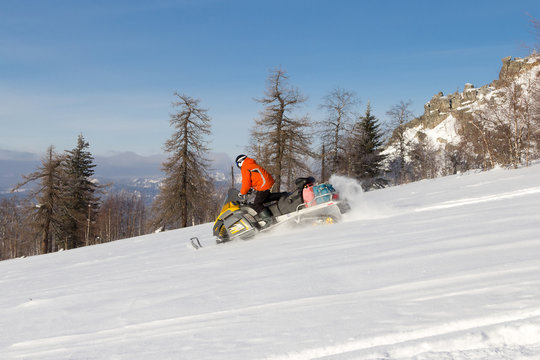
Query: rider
[256,177]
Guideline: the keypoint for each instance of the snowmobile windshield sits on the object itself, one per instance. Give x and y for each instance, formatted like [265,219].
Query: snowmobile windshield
[232,195]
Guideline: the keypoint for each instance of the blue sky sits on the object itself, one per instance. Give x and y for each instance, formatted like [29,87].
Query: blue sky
[108,69]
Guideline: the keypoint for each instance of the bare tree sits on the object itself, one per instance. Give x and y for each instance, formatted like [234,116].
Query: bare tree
[297,151]
[400,115]
[423,159]
[121,215]
[536,29]
[476,146]
[535,116]
[187,187]
[10,228]
[334,129]
[455,159]
[507,124]
[278,139]
[49,196]
[324,175]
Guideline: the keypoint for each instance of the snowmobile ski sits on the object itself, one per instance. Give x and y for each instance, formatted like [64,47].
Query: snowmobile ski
[195,243]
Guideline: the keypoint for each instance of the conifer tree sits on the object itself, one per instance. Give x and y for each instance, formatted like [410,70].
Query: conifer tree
[80,202]
[187,190]
[366,160]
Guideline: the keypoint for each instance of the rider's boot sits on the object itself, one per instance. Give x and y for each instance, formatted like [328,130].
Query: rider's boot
[267,217]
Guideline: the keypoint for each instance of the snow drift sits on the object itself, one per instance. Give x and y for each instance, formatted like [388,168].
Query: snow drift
[439,269]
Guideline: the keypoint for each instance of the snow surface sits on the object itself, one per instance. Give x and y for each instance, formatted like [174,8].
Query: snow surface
[439,269]
[445,131]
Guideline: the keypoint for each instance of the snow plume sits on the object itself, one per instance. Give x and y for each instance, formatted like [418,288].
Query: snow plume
[351,191]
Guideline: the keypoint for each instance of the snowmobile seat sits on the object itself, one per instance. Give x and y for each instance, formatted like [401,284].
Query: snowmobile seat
[276,196]
[283,202]
[290,202]
[303,181]
[273,199]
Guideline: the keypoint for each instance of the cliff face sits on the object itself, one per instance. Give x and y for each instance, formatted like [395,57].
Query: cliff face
[459,105]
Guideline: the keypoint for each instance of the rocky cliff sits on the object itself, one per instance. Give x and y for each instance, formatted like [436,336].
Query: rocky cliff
[459,105]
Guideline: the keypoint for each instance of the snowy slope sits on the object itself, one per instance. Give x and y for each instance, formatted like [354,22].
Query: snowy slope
[439,269]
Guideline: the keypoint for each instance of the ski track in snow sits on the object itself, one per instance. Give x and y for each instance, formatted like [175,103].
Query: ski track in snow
[481,199]
[484,336]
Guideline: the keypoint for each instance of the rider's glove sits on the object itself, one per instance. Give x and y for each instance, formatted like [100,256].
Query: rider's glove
[242,197]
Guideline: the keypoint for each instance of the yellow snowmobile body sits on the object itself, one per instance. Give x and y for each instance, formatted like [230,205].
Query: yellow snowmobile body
[235,219]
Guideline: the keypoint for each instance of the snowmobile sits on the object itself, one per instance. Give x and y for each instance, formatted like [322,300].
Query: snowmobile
[309,203]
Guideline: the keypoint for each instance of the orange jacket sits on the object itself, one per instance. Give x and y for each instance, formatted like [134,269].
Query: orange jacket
[254,176]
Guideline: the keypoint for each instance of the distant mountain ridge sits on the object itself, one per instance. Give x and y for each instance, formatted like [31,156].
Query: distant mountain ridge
[125,171]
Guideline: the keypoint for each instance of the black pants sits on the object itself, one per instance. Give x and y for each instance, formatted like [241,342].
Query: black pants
[260,198]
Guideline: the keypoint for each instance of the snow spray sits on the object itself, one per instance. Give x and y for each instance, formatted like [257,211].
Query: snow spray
[351,191]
